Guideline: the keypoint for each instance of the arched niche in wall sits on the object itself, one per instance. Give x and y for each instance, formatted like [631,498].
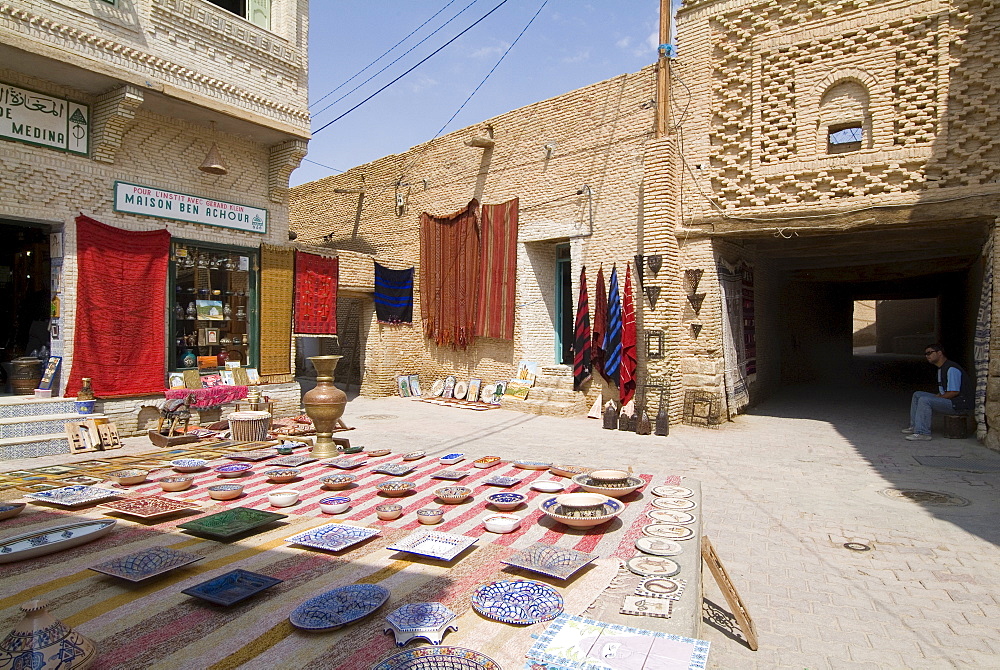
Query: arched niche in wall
[844,122]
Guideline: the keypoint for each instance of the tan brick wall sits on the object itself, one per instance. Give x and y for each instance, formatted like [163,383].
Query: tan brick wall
[599,133]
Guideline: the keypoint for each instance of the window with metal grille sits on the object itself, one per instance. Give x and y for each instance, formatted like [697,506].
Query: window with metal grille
[843,138]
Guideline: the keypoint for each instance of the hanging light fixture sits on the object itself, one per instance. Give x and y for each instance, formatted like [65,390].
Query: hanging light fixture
[213,163]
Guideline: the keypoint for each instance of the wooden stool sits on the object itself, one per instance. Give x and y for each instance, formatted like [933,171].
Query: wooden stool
[956,426]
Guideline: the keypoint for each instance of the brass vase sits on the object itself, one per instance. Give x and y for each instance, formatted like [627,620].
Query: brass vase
[325,405]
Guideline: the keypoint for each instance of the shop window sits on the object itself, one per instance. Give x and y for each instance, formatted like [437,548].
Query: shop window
[844,118]
[257,12]
[215,306]
[844,137]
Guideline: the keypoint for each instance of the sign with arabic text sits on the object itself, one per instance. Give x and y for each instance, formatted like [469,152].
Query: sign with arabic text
[44,120]
[150,201]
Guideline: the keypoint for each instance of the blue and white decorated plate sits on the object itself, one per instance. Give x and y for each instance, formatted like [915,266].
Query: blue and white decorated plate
[71,496]
[520,601]
[499,480]
[146,563]
[188,464]
[547,559]
[395,469]
[333,536]
[435,544]
[339,607]
[438,658]
[232,587]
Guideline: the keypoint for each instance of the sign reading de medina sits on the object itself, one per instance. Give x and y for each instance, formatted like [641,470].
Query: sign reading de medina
[151,201]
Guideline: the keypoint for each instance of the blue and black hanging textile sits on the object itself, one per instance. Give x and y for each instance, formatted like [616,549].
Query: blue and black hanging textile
[393,295]
[613,338]
[581,345]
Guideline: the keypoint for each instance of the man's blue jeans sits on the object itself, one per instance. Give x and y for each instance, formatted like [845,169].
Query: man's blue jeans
[922,408]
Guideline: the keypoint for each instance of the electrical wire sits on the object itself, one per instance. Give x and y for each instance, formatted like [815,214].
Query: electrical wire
[325,166]
[427,58]
[493,69]
[385,53]
[395,61]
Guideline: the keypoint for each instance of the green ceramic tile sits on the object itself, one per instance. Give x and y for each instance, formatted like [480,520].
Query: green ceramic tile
[231,522]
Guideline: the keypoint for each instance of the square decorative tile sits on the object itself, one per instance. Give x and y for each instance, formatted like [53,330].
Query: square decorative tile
[232,587]
[146,563]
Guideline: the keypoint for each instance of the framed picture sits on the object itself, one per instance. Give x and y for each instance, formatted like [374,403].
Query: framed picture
[211,381]
[208,362]
[233,364]
[175,380]
[212,335]
[526,371]
[209,310]
[240,377]
[403,384]
[500,388]
[252,375]
[517,388]
[192,379]
[449,387]
[475,384]
[50,372]
[227,377]
[415,386]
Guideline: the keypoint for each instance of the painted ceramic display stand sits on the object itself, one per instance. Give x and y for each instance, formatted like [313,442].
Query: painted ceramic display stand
[428,621]
[41,642]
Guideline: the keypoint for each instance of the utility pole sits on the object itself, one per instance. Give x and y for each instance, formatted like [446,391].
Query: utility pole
[663,72]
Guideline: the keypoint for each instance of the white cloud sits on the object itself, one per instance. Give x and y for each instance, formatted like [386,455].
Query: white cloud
[624,43]
[579,57]
[491,52]
[421,83]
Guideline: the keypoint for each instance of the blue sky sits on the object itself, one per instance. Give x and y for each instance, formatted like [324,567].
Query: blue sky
[570,44]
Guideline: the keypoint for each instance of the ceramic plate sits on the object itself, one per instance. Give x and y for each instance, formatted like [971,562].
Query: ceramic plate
[412,621]
[339,607]
[435,544]
[487,392]
[52,539]
[146,563]
[660,587]
[653,566]
[255,455]
[461,388]
[332,536]
[437,388]
[668,531]
[150,506]
[231,522]
[531,465]
[72,496]
[670,516]
[486,461]
[345,463]
[520,601]
[547,559]
[658,547]
[568,470]
[502,481]
[437,658]
[450,474]
[8,510]
[232,469]
[414,455]
[674,503]
[395,469]
[292,461]
[232,587]
[672,492]
[547,486]
[379,452]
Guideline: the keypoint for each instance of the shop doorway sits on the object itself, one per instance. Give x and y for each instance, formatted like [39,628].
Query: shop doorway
[25,297]
[564,306]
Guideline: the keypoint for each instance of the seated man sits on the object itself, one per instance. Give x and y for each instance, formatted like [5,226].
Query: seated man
[954,396]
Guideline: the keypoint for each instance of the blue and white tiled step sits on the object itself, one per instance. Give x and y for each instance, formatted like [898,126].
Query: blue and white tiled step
[31,427]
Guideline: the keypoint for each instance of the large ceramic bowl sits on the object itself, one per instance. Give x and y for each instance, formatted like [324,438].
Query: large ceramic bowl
[127,477]
[233,469]
[453,494]
[581,517]
[188,464]
[396,488]
[225,491]
[502,523]
[176,482]
[337,482]
[282,475]
[608,477]
[616,490]
[506,500]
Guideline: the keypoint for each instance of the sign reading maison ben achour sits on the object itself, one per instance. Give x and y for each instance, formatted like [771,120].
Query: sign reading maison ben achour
[150,201]
[44,120]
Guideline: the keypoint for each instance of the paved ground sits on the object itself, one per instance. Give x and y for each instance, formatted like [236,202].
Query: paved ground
[784,488]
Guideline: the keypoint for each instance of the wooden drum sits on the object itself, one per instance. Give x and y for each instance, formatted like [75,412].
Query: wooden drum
[249,426]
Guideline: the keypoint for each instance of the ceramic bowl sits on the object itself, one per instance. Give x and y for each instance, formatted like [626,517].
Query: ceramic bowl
[281,476]
[335,504]
[502,523]
[547,486]
[429,516]
[176,483]
[506,500]
[285,451]
[337,482]
[568,470]
[581,517]
[388,512]
[7,510]
[380,452]
[283,498]
[486,461]
[225,491]
[578,502]
[233,469]
[608,477]
[396,488]
[414,455]
[127,477]
[453,494]
[615,490]
[188,464]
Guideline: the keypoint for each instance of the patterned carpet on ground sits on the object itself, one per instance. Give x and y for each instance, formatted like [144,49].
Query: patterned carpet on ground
[151,624]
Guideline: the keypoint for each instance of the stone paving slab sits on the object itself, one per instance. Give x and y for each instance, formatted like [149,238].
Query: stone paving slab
[783,489]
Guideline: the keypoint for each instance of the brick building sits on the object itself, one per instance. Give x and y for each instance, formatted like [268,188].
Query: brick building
[828,152]
[575,163]
[110,109]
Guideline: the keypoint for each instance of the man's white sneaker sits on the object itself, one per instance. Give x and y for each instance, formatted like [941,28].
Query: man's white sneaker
[907,431]
[918,436]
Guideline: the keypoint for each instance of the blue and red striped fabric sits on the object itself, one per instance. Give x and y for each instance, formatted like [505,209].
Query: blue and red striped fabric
[613,338]
[600,325]
[393,294]
[581,345]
